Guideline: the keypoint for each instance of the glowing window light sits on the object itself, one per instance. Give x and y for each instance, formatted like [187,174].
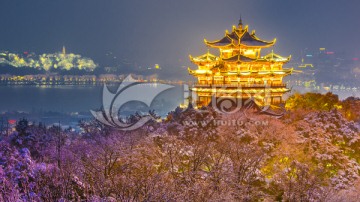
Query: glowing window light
[249,52]
[12,121]
[329,53]
[309,55]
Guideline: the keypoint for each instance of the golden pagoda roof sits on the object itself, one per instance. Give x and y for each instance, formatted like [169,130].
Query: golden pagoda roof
[199,72]
[282,72]
[240,37]
[272,57]
[238,58]
[261,73]
[203,59]
[248,90]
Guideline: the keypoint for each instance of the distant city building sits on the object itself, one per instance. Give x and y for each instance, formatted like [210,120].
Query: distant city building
[48,61]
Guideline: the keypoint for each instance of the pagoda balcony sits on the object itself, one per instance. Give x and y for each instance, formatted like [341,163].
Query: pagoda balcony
[273,102]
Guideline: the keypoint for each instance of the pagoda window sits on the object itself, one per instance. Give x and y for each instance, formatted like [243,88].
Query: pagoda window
[218,79]
[255,68]
[244,68]
[250,53]
[276,100]
[203,100]
[202,80]
[243,82]
[267,100]
[276,67]
[276,82]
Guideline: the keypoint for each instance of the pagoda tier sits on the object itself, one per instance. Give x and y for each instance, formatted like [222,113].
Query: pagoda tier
[240,37]
[250,90]
[271,57]
[261,94]
[270,64]
[283,72]
[206,59]
[239,58]
[240,71]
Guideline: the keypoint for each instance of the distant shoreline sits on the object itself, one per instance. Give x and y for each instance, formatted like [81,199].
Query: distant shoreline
[76,80]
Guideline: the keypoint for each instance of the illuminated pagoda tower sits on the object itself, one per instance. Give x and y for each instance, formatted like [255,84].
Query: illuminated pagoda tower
[64,51]
[240,71]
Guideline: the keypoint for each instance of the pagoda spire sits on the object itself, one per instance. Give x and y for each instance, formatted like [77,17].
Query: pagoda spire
[240,24]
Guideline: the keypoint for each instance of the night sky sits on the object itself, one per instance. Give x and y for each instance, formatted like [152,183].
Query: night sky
[167,31]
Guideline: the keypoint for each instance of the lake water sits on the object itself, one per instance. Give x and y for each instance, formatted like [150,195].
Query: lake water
[68,104]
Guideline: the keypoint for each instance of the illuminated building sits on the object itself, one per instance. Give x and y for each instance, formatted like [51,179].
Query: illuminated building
[63,51]
[240,71]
